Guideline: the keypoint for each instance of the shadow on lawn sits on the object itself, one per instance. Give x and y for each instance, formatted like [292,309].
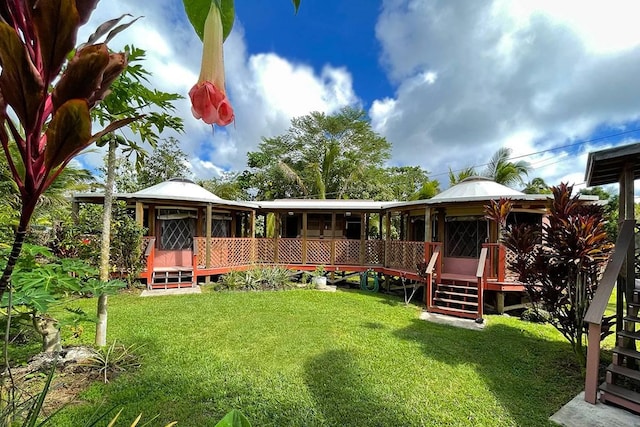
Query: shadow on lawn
[343,397]
[530,376]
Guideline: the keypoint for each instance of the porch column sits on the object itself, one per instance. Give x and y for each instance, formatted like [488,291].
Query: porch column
[207,245]
[152,220]
[363,236]
[304,237]
[278,225]
[140,214]
[427,224]
[387,236]
[252,225]
[626,279]
[75,212]
[333,238]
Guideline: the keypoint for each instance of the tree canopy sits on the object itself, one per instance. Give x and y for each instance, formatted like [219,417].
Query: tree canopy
[321,156]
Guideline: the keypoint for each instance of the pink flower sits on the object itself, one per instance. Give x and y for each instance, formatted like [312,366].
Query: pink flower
[208,98]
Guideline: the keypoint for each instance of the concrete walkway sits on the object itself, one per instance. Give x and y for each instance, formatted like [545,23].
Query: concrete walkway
[578,413]
[452,321]
[163,292]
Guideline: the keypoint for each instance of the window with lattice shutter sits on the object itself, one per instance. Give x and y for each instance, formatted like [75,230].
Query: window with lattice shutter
[464,238]
[177,234]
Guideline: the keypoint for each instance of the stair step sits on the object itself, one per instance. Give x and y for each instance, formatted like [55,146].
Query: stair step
[621,392]
[457,294]
[633,319]
[454,301]
[624,371]
[628,334]
[627,352]
[460,287]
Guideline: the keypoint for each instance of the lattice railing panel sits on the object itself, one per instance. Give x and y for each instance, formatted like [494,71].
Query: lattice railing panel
[347,252]
[290,251]
[374,252]
[224,252]
[405,255]
[510,275]
[200,248]
[318,251]
[265,251]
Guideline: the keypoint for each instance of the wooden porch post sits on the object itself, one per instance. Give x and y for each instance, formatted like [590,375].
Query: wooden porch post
[363,236]
[278,224]
[152,220]
[140,214]
[207,242]
[427,224]
[387,236]
[304,237]
[75,212]
[333,238]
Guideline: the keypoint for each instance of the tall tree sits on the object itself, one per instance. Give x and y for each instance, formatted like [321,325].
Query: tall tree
[320,156]
[504,171]
[410,183]
[129,98]
[229,186]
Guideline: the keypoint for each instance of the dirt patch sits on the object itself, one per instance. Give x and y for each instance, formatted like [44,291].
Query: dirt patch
[73,375]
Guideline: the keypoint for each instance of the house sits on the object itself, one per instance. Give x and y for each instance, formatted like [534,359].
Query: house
[194,235]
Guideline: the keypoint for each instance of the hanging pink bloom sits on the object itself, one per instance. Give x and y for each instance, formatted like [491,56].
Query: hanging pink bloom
[208,98]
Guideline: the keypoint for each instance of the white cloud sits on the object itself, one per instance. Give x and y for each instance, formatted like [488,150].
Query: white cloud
[266,90]
[527,75]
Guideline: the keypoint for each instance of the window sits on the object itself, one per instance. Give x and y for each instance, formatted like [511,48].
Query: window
[465,236]
[177,229]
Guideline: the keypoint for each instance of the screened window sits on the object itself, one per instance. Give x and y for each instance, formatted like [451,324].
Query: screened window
[177,229]
[465,237]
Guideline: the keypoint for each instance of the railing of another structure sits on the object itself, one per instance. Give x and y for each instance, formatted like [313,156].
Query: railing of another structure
[496,261]
[435,263]
[598,306]
[148,244]
[481,276]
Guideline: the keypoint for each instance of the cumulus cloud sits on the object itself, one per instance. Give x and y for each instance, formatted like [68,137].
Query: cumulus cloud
[266,90]
[528,75]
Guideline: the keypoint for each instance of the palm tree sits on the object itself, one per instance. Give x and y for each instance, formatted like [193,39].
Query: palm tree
[505,172]
[462,174]
[536,186]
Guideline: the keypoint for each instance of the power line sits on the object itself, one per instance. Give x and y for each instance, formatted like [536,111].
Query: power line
[548,150]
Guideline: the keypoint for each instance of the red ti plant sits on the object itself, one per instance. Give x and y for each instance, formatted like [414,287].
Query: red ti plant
[561,262]
[45,97]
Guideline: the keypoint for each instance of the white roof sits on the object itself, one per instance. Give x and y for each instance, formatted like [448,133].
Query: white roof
[326,204]
[476,188]
[178,187]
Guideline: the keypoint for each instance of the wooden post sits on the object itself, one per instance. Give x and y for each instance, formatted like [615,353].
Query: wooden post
[304,237]
[363,236]
[427,224]
[387,236]
[75,212]
[152,220]
[593,364]
[140,214]
[333,238]
[278,221]
[207,242]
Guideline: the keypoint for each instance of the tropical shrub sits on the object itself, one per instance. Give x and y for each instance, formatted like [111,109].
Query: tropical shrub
[560,262]
[255,279]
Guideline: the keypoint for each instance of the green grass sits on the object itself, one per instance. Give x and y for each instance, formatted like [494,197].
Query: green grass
[307,358]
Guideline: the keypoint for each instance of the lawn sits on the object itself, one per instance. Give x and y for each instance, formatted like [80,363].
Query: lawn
[309,358]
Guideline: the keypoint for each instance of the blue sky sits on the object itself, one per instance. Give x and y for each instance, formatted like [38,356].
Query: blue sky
[446,82]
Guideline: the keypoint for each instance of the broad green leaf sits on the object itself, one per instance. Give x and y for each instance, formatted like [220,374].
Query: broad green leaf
[234,418]
[56,23]
[197,11]
[20,84]
[68,133]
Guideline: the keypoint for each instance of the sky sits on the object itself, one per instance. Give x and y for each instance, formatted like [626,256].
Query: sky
[446,82]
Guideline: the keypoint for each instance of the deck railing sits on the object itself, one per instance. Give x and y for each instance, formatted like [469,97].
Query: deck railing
[496,255]
[404,255]
[598,306]
[148,253]
[481,276]
[230,252]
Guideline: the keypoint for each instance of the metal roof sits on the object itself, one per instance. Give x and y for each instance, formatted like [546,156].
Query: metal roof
[476,188]
[178,187]
[605,166]
[327,204]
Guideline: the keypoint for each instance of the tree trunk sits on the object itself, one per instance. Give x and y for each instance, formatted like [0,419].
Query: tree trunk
[47,327]
[105,247]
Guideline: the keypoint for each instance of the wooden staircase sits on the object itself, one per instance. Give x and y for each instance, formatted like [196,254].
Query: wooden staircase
[622,383]
[456,296]
[171,278]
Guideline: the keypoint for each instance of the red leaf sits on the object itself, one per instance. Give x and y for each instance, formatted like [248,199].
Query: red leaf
[20,83]
[56,23]
[69,132]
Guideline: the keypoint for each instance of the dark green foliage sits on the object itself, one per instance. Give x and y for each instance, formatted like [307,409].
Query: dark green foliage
[256,279]
[561,274]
